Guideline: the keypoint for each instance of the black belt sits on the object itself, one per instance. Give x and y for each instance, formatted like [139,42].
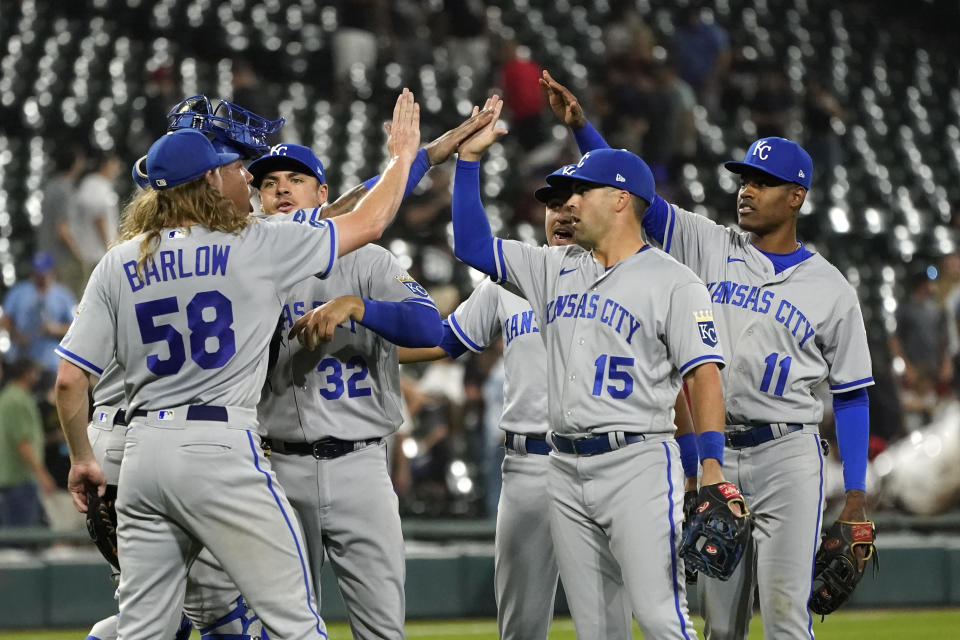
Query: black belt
[759,434]
[599,443]
[120,418]
[207,412]
[324,449]
[527,444]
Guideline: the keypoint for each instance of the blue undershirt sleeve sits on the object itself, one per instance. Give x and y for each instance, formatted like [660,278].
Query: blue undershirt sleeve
[406,324]
[472,237]
[589,138]
[451,343]
[851,412]
[419,168]
[655,219]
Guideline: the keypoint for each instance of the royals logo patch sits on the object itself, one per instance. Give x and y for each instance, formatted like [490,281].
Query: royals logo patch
[708,332]
[413,285]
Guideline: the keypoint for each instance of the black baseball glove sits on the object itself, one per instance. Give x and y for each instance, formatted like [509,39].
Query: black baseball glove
[689,506]
[102,523]
[714,542]
[836,570]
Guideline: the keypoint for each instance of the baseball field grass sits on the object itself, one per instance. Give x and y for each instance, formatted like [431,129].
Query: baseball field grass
[899,624]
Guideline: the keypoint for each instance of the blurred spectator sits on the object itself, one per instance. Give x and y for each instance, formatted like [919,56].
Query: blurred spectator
[97,215]
[520,77]
[162,93]
[949,293]
[770,107]
[58,207]
[355,41]
[21,449]
[626,35]
[37,313]
[701,54]
[249,91]
[821,115]
[493,449]
[673,140]
[629,105]
[467,39]
[920,341]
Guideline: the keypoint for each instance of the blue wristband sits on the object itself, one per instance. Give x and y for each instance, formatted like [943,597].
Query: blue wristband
[710,445]
[688,454]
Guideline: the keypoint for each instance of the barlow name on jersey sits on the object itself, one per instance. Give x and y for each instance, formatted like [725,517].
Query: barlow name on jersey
[207,260]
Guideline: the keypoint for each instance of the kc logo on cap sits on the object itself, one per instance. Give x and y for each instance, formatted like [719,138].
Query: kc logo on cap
[779,157]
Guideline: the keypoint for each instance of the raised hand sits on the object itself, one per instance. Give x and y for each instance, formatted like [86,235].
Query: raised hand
[318,325]
[403,134]
[564,104]
[479,142]
[443,147]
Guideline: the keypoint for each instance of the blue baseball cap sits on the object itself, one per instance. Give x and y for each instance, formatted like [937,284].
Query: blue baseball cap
[140,172]
[779,157]
[286,155]
[42,262]
[543,194]
[616,168]
[182,156]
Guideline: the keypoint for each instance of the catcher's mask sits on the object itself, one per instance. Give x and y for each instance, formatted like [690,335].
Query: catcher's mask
[227,122]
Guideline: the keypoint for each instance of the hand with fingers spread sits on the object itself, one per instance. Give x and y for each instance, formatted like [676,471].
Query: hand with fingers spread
[85,476]
[439,150]
[474,147]
[403,133]
[317,326]
[563,103]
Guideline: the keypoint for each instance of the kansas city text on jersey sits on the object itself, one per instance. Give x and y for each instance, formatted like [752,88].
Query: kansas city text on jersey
[606,310]
[207,260]
[752,298]
[519,324]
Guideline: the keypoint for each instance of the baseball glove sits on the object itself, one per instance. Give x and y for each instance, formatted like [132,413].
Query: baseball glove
[836,573]
[102,523]
[689,506]
[714,542]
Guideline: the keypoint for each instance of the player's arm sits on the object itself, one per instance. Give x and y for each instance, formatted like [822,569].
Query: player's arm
[567,109]
[686,439]
[408,323]
[851,413]
[72,388]
[433,153]
[450,346]
[707,410]
[368,220]
[472,236]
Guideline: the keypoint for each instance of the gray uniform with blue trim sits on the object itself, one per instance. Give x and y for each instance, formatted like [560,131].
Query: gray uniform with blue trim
[783,334]
[618,342]
[348,388]
[211,602]
[525,567]
[191,335]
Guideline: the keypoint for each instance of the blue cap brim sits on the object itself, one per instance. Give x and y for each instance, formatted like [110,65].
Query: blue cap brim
[739,167]
[227,158]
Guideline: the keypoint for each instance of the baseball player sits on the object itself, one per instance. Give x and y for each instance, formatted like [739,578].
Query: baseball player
[525,567]
[789,320]
[624,326]
[212,602]
[328,410]
[207,276]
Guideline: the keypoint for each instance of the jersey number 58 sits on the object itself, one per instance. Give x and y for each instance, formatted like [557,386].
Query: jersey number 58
[209,318]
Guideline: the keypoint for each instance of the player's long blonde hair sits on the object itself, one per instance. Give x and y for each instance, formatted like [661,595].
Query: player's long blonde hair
[150,211]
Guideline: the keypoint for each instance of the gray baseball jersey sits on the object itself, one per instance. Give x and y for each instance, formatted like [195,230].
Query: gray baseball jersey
[782,333]
[619,340]
[525,565]
[195,328]
[490,310]
[191,334]
[348,388]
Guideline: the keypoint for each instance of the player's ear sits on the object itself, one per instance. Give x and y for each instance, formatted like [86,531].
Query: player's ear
[322,191]
[797,195]
[211,177]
